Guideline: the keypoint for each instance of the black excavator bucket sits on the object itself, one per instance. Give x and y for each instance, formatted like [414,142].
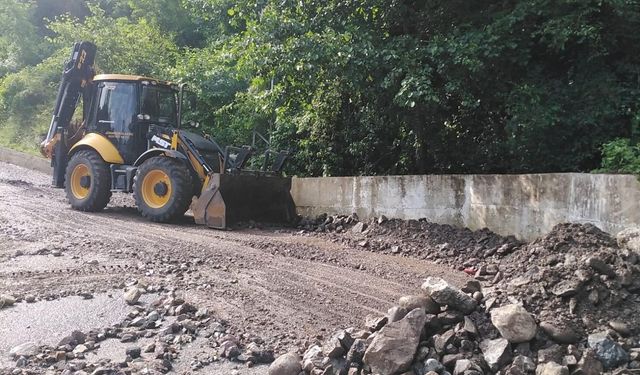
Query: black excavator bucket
[232,198]
[239,194]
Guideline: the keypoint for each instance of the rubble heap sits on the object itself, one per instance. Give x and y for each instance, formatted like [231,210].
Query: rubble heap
[421,239]
[566,303]
[446,330]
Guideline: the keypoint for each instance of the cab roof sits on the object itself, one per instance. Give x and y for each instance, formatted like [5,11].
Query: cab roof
[126,77]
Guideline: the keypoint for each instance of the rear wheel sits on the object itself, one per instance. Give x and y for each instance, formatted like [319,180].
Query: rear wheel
[162,189]
[88,181]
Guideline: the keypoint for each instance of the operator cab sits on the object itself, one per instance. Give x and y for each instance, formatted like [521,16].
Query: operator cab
[138,113]
[129,110]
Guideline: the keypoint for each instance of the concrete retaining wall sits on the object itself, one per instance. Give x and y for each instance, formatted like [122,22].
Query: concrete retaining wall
[25,160]
[526,206]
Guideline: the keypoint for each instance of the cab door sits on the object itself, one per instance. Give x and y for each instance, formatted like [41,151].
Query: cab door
[159,113]
[116,116]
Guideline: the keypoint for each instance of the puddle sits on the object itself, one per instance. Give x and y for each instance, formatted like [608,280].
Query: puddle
[47,322]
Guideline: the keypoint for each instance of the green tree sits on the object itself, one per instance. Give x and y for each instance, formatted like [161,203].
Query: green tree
[370,86]
[125,46]
[19,42]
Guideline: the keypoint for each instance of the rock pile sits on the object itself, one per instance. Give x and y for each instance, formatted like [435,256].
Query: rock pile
[459,247]
[581,284]
[333,223]
[577,280]
[447,330]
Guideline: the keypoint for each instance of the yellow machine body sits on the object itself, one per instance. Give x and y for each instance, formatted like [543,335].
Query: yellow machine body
[100,144]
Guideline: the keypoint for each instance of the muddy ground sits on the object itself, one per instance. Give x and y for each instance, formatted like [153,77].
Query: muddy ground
[276,284]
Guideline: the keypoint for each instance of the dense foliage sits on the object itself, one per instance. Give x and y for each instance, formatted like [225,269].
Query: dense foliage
[620,156]
[358,86]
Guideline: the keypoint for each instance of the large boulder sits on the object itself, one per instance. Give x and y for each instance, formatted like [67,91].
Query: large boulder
[497,353]
[442,341]
[76,337]
[396,313]
[629,238]
[466,366]
[609,352]
[560,333]
[6,300]
[553,353]
[356,352]
[566,288]
[359,227]
[338,344]
[446,294]
[514,323]
[27,349]
[429,365]
[286,364]
[415,302]
[374,322]
[312,358]
[551,368]
[589,363]
[393,348]
[522,365]
[132,296]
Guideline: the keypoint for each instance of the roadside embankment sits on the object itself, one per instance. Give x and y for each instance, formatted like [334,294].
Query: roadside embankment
[25,160]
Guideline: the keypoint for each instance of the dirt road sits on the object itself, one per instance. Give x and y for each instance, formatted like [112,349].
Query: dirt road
[273,283]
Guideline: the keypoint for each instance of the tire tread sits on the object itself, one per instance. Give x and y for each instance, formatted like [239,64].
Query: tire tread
[101,178]
[181,184]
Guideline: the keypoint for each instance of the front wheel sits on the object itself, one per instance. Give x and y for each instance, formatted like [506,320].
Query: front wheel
[88,181]
[162,189]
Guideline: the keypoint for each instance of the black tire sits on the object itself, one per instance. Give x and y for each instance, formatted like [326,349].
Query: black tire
[158,203]
[87,181]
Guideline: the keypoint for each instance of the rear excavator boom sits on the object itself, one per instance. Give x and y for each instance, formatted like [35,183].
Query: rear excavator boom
[76,77]
[131,141]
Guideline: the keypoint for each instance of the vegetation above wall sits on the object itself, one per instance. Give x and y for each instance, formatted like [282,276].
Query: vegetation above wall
[359,87]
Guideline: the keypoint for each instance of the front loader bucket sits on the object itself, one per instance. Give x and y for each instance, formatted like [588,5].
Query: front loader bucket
[230,198]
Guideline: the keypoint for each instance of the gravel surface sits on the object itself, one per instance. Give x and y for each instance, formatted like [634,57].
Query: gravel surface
[273,284]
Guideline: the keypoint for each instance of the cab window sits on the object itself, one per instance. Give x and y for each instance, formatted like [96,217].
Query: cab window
[116,107]
[160,105]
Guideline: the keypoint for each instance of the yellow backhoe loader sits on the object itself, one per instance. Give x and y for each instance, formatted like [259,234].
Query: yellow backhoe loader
[131,140]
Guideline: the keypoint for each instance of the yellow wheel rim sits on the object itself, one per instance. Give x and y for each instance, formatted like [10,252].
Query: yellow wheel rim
[156,189]
[80,171]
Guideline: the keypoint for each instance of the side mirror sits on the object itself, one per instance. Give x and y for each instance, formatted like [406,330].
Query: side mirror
[193,102]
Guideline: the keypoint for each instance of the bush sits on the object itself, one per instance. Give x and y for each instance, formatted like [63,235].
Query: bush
[620,156]
[26,99]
